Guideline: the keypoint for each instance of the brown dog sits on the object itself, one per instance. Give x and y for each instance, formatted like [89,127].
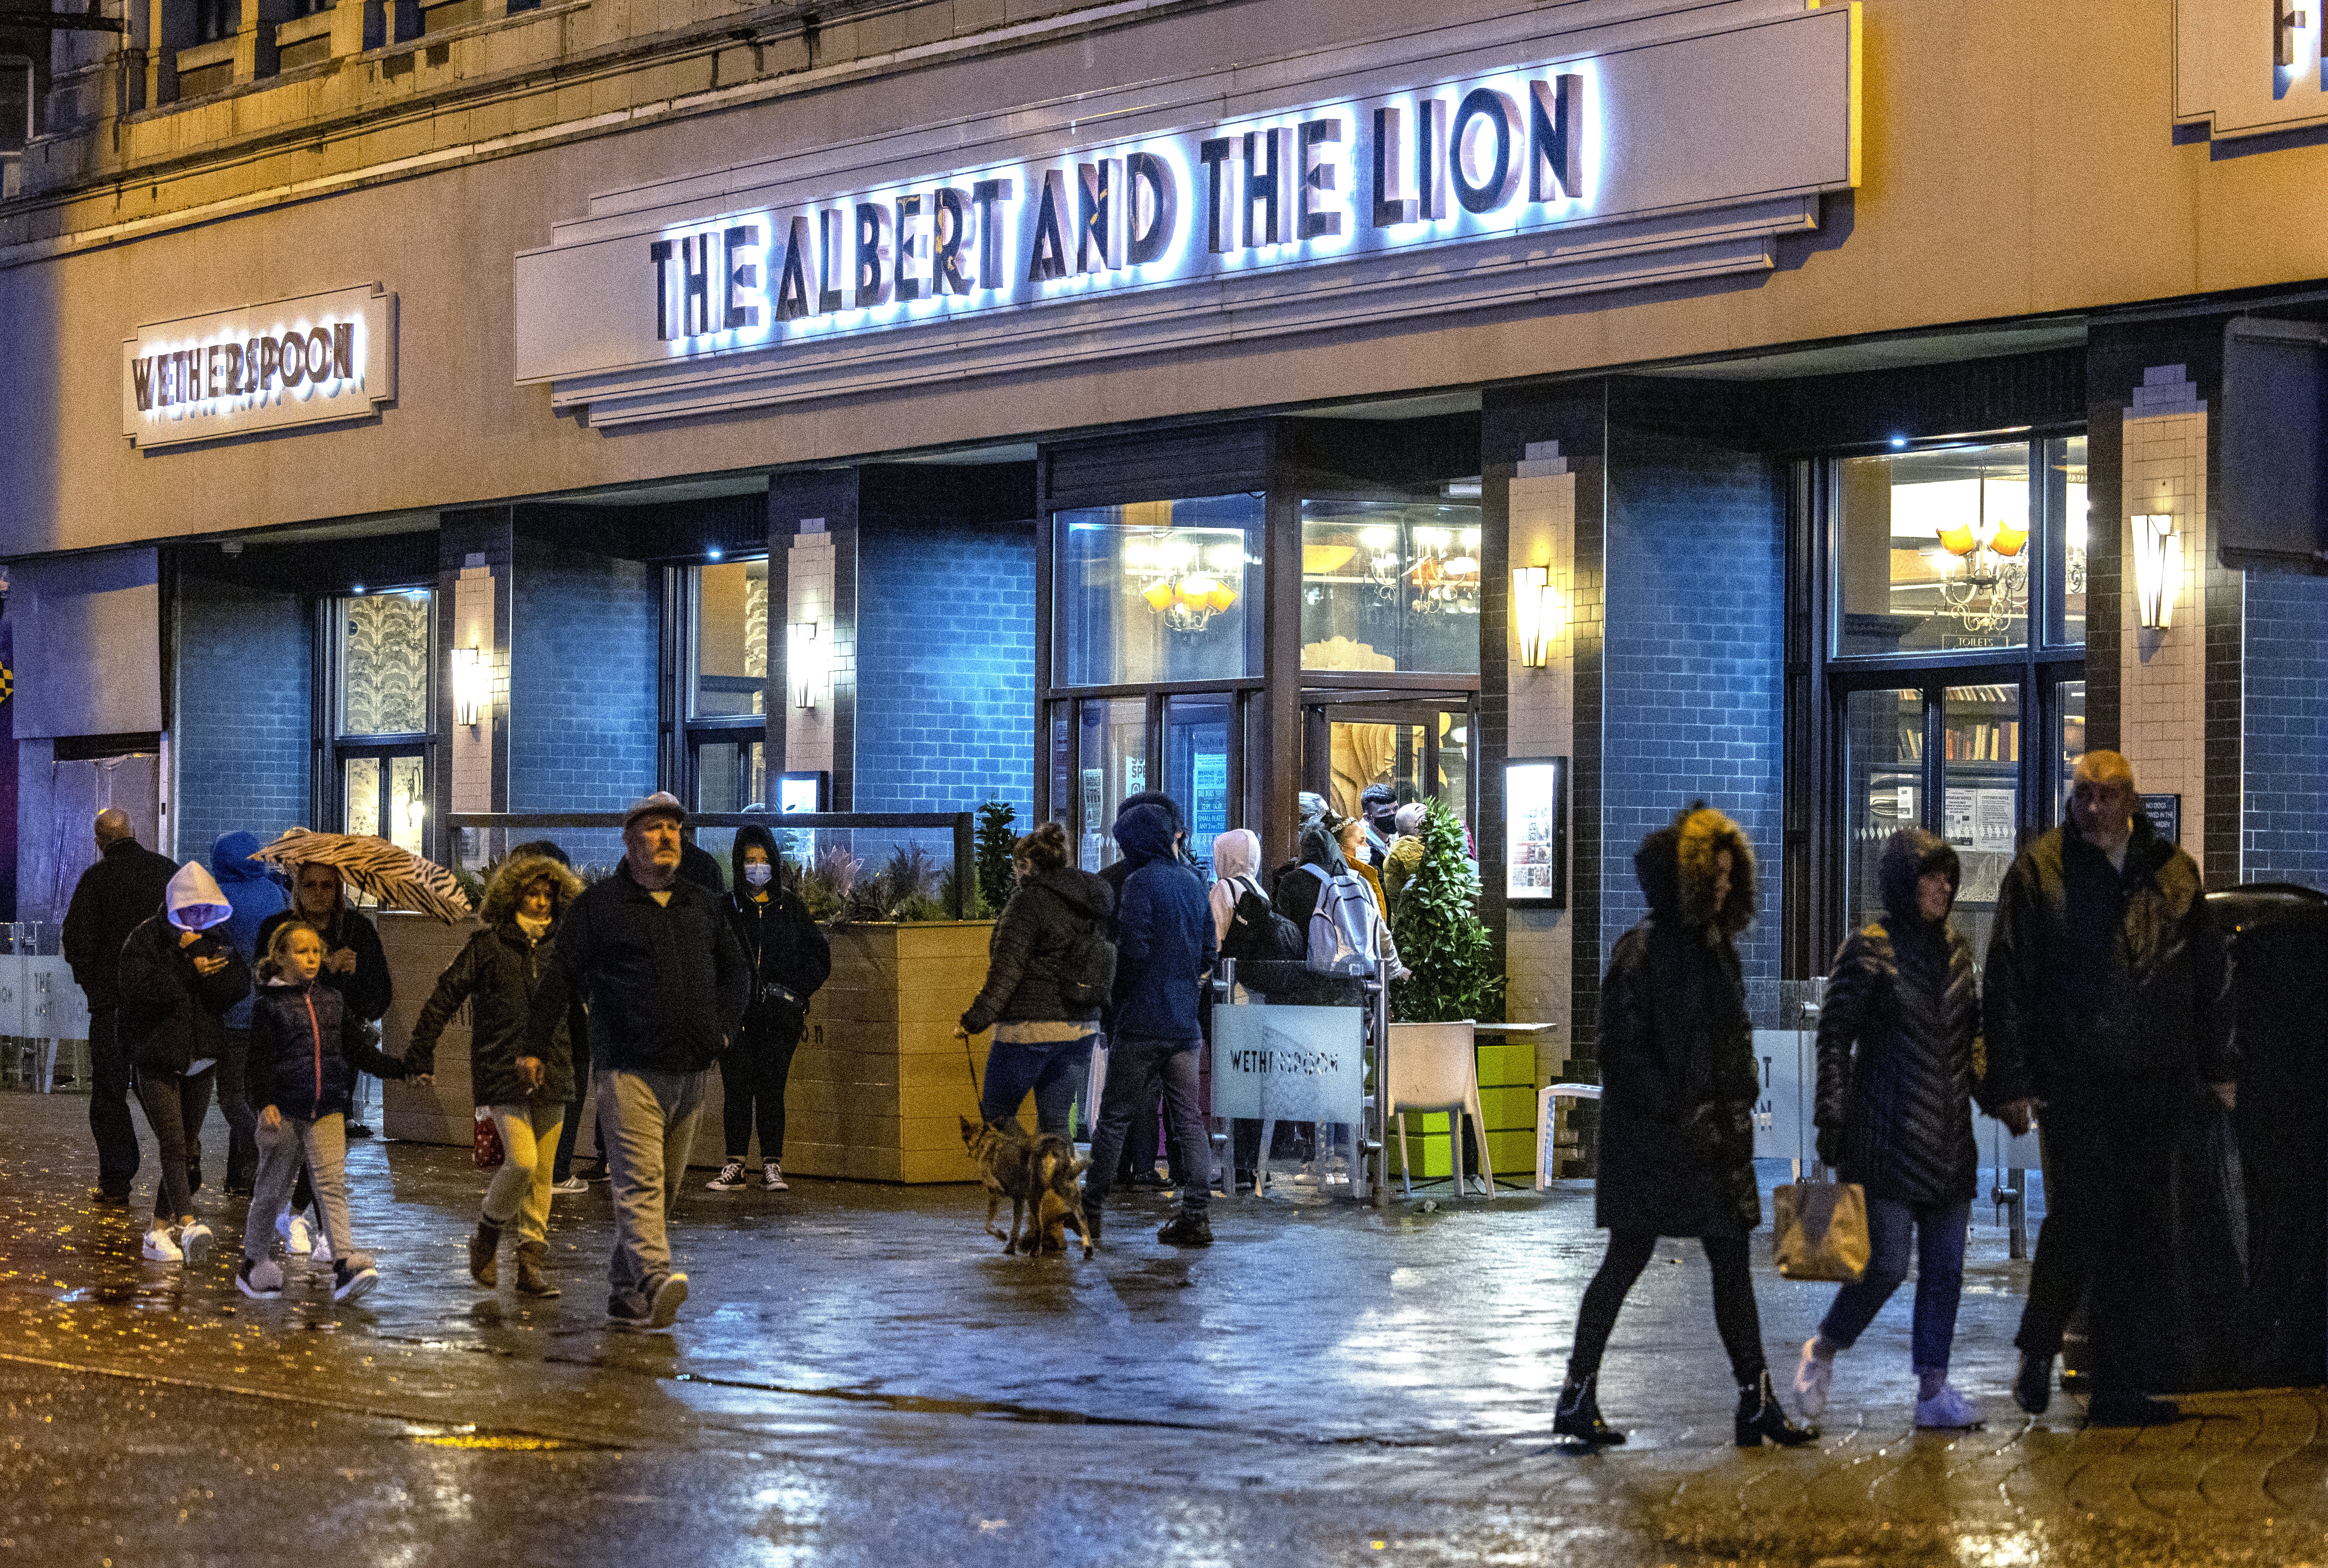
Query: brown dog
[1039,1173]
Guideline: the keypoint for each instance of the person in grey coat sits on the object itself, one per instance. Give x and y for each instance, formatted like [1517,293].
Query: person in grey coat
[1895,1089]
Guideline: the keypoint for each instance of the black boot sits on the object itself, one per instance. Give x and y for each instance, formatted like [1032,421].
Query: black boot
[1578,1415]
[483,1247]
[1761,1420]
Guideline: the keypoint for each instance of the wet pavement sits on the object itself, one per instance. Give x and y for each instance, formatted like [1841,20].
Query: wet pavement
[859,1377]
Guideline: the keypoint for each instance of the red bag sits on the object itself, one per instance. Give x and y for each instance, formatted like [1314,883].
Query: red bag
[486,1142]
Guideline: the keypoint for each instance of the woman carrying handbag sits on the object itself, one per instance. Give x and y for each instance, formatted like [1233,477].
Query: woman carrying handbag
[1679,1086]
[1895,1087]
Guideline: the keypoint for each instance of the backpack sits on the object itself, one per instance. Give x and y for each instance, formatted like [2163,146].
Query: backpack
[1256,930]
[1342,926]
[1087,966]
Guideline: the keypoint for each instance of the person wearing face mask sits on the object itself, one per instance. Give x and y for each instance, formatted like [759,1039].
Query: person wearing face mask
[789,959]
[1897,1024]
[2107,1015]
[526,1094]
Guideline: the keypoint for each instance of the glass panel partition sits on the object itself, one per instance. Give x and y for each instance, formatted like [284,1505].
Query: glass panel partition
[1156,591]
[1390,586]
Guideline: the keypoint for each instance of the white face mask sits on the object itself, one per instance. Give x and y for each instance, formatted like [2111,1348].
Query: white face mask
[759,873]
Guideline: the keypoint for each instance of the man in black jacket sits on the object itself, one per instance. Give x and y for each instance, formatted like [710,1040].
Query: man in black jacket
[115,896]
[655,957]
[2106,1013]
[1136,1165]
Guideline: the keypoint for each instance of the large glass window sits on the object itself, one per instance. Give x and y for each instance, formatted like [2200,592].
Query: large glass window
[1197,765]
[384,658]
[729,641]
[1390,586]
[1111,759]
[1935,550]
[2065,486]
[1156,591]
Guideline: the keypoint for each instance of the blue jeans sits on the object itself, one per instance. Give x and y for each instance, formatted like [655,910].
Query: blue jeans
[1053,1069]
[1939,1231]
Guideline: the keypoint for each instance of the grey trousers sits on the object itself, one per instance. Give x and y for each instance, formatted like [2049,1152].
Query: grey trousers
[649,1121]
[320,1145]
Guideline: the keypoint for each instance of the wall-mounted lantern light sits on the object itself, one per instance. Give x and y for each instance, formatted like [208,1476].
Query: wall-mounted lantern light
[2157,568]
[1536,615]
[473,686]
[805,663]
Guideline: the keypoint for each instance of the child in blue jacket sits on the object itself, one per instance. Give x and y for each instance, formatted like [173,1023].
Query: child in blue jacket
[306,1049]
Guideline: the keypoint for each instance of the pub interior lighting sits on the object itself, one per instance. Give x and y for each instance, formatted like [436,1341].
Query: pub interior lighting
[1983,566]
[472,686]
[1186,583]
[1536,615]
[805,663]
[2157,568]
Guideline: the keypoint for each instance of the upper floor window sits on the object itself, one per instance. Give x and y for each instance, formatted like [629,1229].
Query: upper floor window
[1156,591]
[15,103]
[385,643]
[1390,585]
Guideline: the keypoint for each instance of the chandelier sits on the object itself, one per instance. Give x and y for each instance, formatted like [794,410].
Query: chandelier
[1984,569]
[1186,583]
[1443,577]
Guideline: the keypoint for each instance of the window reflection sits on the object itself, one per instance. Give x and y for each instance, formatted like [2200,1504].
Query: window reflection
[1390,586]
[731,639]
[1156,591]
[1936,550]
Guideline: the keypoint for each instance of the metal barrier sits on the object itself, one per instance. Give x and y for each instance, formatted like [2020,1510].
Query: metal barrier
[1313,1066]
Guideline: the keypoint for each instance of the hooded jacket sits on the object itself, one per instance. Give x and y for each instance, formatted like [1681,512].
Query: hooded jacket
[1164,941]
[1676,1047]
[665,982]
[497,973]
[368,988]
[1895,1040]
[1047,914]
[250,887]
[172,1015]
[781,942]
[306,1049]
[2104,976]
[121,891]
[1236,856]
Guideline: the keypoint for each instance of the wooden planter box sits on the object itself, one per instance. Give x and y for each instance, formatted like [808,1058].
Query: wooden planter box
[875,1088]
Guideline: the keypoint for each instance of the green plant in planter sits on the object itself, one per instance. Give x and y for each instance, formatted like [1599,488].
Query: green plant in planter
[995,842]
[1442,939]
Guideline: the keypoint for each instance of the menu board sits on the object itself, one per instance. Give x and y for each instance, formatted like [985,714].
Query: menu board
[1536,832]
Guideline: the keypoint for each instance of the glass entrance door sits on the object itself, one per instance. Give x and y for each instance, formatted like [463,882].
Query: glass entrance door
[1421,748]
[384,794]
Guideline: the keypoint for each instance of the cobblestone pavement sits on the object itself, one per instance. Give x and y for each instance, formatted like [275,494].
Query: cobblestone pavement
[860,1377]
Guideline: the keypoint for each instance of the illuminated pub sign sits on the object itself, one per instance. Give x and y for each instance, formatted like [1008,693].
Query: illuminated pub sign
[262,367]
[1531,172]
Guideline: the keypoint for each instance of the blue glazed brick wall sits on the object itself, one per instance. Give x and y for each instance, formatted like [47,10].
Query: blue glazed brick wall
[2284,703]
[244,696]
[1694,670]
[946,669]
[583,666]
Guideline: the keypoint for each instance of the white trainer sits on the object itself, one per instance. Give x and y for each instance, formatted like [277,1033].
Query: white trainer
[194,1242]
[299,1236]
[1811,1378]
[322,1250]
[1947,1411]
[771,1177]
[729,1179]
[161,1247]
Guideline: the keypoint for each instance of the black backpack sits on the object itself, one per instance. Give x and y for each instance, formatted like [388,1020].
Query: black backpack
[1257,930]
[1087,967]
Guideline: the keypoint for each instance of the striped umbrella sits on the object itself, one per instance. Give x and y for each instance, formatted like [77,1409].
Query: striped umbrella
[397,878]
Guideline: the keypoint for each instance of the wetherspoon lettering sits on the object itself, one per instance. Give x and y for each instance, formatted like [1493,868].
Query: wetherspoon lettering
[322,357]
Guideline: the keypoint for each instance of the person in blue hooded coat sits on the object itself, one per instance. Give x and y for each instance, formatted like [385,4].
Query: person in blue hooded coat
[250,886]
[1164,947]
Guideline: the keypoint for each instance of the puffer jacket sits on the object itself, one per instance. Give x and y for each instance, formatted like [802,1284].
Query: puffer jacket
[781,942]
[497,974]
[306,1048]
[2098,976]
[1047,914]
[172,1015]
[1677,1072]
[1895,1040]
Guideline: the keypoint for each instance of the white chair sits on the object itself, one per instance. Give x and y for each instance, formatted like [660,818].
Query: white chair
[1543,1123]
[1435,1067]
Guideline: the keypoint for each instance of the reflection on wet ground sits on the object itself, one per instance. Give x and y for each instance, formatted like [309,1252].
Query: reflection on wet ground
[859,1377]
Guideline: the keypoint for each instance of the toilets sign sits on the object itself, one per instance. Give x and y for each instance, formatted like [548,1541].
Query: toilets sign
[1533,170]
[263,367]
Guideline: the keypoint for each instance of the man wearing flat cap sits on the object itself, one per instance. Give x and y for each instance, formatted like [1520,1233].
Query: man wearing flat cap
[659,965]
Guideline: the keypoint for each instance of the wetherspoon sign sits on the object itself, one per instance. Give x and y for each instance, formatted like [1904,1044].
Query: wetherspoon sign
[294,361]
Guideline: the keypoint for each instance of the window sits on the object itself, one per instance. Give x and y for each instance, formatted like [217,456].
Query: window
[1390,586]
[724,619]
[385,640]
[1156,591]
[16,99]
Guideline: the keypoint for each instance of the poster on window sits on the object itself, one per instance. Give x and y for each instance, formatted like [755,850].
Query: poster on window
[1535,832]
[1980,823]
[1209,799]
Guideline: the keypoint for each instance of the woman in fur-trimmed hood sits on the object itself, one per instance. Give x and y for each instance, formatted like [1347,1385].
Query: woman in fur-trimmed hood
[526,1095]
[1679,1086]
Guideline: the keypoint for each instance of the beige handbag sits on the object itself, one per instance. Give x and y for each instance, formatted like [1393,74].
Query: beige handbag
[1820,1229]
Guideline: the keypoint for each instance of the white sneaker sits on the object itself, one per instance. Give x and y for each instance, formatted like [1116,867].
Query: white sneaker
[194,1242]
[1811,1378]
[771,1177]
[1947,1411]
[322,1250]
[730,1177]
[572,1184]
[298,1235]
[161,1247]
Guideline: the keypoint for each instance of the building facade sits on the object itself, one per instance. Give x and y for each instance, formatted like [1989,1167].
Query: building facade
[1844,414]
